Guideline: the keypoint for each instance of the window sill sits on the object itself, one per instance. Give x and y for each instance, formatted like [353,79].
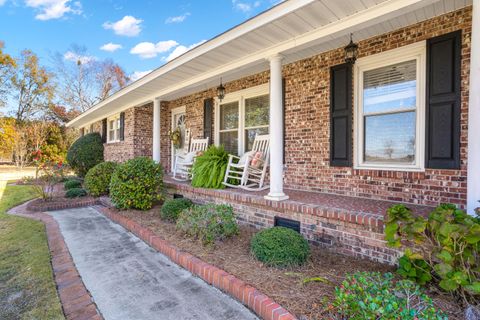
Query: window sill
[388,168]
[113,142]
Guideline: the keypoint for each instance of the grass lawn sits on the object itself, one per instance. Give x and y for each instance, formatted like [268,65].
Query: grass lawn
[27,288]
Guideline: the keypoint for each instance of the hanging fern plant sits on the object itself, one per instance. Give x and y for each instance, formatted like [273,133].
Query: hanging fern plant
[209,168]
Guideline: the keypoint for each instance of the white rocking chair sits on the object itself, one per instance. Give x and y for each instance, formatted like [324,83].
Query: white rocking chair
[250,169]
[184,162]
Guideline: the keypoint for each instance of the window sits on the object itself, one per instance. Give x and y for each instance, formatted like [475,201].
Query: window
[114,128]
[240,117]
[390,91]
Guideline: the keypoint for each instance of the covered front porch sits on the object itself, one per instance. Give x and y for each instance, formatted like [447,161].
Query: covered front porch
[351,225]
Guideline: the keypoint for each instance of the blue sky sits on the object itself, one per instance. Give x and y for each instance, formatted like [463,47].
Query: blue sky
[139,35]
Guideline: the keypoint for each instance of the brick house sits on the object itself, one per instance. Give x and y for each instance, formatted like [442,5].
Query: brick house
[347,139]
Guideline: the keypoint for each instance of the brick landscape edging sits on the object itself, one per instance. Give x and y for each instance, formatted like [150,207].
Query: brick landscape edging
[77,303]
[261,304]
[61,206]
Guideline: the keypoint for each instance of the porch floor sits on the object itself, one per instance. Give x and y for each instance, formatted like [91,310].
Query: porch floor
[316,200]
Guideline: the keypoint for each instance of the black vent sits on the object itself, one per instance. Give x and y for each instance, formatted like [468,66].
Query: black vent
[177,196]
[287,223]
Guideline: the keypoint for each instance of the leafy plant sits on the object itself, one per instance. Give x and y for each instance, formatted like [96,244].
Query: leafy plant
[445,245]
[208,223]
[85,153]
[209,168]
[72,183]
[172,208]
[373,295]
[75,193]
[280,247]
[137,184]
[97,180]
[49,175]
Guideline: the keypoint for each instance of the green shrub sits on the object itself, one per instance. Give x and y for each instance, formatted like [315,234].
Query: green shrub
[445,247]
[97,180]
[137,184]
[280,247]
[172,208]
[75,193]
[209,168]
[372,295]
[208,223]
[85,153]
[72,183]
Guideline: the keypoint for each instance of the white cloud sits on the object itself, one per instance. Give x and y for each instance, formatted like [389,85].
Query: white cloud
[74,57]
[245,6]
[177,19]
[2,2]
[181,50]
[53,9]
[139,74]
[128,26]
[111,47]
[147,50]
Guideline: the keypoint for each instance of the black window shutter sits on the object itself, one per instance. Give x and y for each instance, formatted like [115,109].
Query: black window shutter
[443,101]
[82,132]
[208,119]
[341,115]
[104,130]
[122,126]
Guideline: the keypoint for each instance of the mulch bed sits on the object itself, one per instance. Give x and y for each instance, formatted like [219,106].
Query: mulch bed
[285,286]
[59,201]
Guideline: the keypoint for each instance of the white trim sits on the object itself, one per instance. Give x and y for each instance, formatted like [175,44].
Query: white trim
[116,119]
[415,51]
[240,97]
[174,112]
[365,18]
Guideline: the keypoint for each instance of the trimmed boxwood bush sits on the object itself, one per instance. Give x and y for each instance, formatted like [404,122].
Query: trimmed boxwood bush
[75,193]
[172,208]
[85,153]
[97,180]
[137,184]
[72,183]
[208,223]
[280,247]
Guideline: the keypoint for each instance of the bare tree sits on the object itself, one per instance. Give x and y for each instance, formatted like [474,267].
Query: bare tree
[33,88]
[84,80]
[388,148]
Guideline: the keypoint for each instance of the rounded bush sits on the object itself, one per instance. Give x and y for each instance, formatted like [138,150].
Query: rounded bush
[280,247]
[85,153]
[72,183]
[97,180]
[75,193]
[172,208]
[137,184]
[208,223]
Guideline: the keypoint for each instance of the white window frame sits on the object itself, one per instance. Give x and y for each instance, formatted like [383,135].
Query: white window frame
[116,133]
[240,97]
[416,51]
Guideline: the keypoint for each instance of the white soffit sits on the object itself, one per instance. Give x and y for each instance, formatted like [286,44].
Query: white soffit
[295,28]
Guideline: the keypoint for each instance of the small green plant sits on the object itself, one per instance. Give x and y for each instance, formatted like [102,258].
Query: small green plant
[75,193]
[97,180]
[209,168]
[208,223]
[85,153]
[72,183]
[373,295]
[137,184]
[280,247]
[172,208]
[445,247]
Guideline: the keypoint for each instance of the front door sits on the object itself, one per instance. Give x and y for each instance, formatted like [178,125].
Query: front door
[178,121]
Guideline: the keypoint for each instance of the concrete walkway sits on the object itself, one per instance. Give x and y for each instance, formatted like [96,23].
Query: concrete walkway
[130,280]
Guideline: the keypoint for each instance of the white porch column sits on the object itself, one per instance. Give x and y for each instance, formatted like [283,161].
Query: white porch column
[276,130]
[156,131]
[473,170]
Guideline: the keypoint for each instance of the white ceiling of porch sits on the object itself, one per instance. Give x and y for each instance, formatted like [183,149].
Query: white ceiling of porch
[296,34]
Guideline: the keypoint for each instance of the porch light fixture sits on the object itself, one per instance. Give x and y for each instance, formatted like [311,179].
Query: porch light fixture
[351,51]
[221,91]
